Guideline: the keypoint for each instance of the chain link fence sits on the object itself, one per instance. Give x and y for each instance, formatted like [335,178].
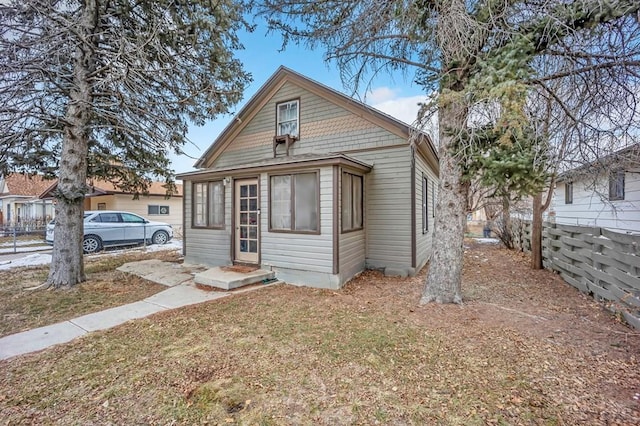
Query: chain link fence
[22,236]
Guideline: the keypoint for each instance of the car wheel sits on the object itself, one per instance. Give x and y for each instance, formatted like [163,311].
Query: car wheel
[160,237]
[91,244]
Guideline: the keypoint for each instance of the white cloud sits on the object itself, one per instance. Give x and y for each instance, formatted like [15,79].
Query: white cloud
[402,108]
[380,95]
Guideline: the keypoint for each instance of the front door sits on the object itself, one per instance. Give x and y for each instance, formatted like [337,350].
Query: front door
[247,219]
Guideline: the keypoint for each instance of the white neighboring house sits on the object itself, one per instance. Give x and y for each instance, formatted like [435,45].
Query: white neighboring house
[19,201]
[605,193]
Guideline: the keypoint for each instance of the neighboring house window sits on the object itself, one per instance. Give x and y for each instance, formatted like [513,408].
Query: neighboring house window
[568,193]
[351,202]
[157,210]
[102,206]
[294,202]
[208,205]
[616,185]
[287,118]
[425,204]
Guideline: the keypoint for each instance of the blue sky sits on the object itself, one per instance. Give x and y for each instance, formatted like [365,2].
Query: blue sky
[394,95]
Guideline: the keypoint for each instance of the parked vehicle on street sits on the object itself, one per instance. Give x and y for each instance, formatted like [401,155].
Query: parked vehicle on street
[107,228]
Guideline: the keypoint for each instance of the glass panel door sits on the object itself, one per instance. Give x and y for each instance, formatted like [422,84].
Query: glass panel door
[247,220]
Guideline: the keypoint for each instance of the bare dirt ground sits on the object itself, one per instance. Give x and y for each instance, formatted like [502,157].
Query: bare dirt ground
[525,348]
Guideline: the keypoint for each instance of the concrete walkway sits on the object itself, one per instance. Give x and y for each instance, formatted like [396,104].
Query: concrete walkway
[181,292]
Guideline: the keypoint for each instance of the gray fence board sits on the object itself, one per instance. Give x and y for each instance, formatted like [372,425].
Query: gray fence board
[600,291]
[625,296]
[621,238]
[608,261]
[632,319]
[633,283]
[575,242]
[594,260]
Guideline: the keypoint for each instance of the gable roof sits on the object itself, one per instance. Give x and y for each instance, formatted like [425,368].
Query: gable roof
[25,185]
[625,158]
[274,83]
[156,188]
[101,187]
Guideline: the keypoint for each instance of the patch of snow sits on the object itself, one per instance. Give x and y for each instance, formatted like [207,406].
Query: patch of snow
[24,249]
[44,259]
[21,243]
[171,245]
[488,240]
[29,260]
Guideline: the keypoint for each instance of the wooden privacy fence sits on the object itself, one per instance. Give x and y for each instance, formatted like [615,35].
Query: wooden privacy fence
[598,261]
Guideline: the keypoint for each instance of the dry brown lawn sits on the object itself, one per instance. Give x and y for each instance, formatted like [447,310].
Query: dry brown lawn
[525,348]
[22,309]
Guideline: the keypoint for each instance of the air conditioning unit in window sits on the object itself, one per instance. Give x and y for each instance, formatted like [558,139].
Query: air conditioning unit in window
[287,140]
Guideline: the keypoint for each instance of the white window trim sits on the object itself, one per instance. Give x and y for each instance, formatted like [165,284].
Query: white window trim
[297,119]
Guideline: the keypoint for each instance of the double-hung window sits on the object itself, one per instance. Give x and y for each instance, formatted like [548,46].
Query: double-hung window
[287,118]
[568,193]
[425,204]
[294,202]
[352,216]
[208,205]
[616,185]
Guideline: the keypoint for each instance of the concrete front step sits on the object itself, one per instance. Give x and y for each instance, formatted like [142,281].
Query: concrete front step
[227,278]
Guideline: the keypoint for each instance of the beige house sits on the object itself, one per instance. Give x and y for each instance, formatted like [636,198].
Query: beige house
[154,206]
[314,186]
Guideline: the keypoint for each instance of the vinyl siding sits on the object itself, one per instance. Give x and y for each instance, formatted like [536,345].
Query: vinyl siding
[352,245]
[591,207]
[211,247]
[324,127]
[424,240]
[388,208]
[352,254]
[307,252]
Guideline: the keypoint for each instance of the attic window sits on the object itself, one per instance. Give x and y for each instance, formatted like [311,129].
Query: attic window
[287,117]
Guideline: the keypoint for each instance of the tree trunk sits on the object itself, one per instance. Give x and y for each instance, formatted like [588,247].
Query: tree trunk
[507,230]
[443,284]
[536,233]
[67,263]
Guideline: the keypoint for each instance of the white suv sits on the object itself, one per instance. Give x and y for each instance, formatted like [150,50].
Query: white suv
[103,228]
